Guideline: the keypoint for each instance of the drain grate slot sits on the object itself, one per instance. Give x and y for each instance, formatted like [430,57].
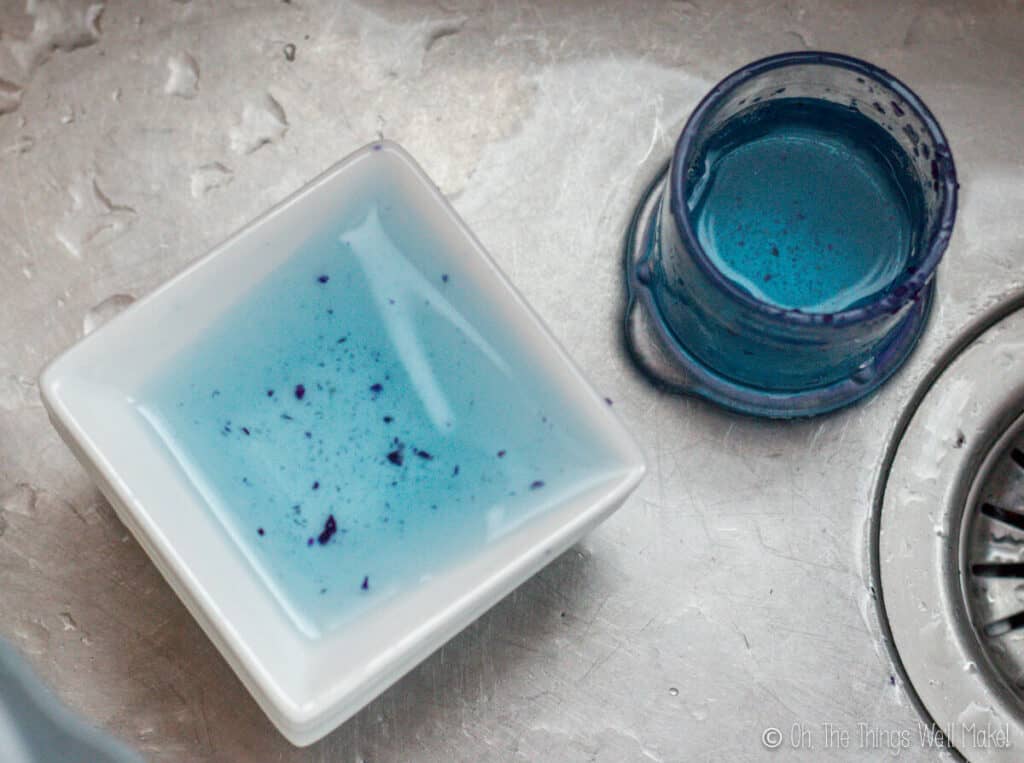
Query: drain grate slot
[1009,517]
[998,570]
[1018,457]
[1001,627]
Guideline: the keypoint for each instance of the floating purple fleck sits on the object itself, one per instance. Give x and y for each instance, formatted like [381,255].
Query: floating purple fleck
[501,454]
[323,278]
[366,583]
[396,457]
[260,531]
[536,484]
[246,430]
[316,485]
[300,391]
[330,527]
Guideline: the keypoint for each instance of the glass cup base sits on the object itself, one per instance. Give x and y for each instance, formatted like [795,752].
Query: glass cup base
[666,363]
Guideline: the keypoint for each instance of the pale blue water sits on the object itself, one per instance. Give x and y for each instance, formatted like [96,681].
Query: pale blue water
[361,421]
[806,204]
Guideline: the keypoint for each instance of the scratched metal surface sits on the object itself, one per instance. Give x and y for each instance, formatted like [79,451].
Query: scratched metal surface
[728,595]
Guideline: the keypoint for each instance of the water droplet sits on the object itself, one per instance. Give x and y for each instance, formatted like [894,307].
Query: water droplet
[21,145]
[977,715]
[799,39]
[56,25]
[970,667]
[210,176]
[68,115]
[262,122]
[33,636]
[440,30]
[674,691]
[643,273]
[68,621]
[10,97]
[21,499]
[398,50]
[92,216]
[182,76]
[17,392]
[99,314]
[864,374]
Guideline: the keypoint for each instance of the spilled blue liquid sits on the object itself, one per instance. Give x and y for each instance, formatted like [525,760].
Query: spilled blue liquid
[806,204]
[362,421]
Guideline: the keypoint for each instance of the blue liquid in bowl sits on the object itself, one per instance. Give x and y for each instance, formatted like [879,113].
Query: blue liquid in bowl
[362,420]
[806,204]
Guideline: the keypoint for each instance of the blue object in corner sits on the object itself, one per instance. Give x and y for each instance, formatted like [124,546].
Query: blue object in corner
[36,728]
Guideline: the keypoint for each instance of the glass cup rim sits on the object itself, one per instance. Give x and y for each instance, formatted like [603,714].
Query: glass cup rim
[943,171]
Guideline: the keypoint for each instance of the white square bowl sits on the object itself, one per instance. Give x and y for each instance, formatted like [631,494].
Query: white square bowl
[309,686]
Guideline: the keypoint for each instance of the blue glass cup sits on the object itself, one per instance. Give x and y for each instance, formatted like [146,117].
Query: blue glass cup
[695,329]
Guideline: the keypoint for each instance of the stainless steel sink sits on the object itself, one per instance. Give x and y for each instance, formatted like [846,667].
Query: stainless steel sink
[732,595]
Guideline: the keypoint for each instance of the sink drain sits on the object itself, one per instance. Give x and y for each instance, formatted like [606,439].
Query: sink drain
[948,544]
[993,559]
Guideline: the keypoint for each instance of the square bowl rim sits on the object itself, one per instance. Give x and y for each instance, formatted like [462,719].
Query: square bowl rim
[298,721]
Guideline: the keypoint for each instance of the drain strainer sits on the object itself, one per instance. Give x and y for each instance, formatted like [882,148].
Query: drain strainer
[949,546]
[993,559]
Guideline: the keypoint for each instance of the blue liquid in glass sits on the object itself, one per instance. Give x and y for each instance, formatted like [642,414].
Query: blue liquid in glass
[805,204]
[361,420]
